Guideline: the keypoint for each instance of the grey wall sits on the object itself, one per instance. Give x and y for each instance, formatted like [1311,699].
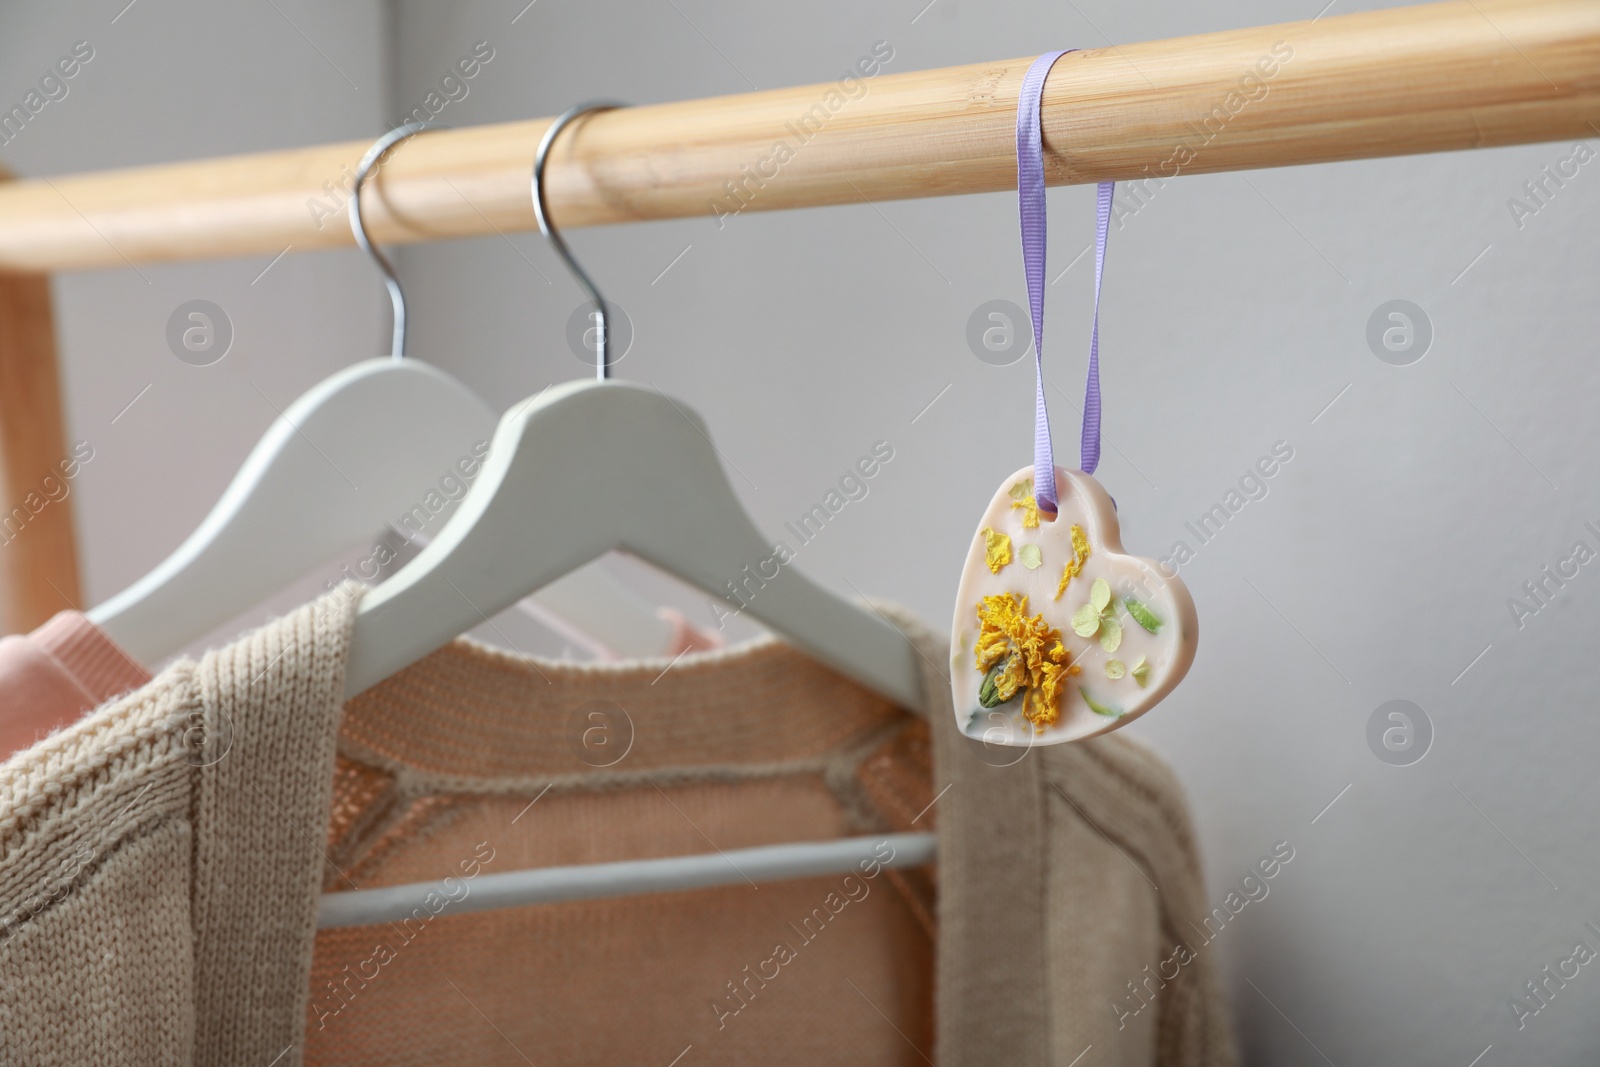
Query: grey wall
[170,81]
[1378,566]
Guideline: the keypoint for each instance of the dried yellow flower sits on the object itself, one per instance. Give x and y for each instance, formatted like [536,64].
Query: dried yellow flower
[1035,662]
[1041,704]
[1011,678]
[996,549]
[1074,567]
[1030,512]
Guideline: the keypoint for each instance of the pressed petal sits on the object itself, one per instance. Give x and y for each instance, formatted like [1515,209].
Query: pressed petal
[1115,669]
[1141,672]
[996,549]
[1047,705]
[1080,542]
[1100,594]
[1069,572]
[1030,512]
[991,649]
[995,614]
[1110,633]
[1010,679]
[1074,567]
[1029,555]
[1086,621]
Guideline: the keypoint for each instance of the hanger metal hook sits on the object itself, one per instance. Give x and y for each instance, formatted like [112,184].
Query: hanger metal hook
[541,212]
[397,348]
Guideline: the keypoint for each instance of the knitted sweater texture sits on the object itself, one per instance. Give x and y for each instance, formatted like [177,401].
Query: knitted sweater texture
[161,862]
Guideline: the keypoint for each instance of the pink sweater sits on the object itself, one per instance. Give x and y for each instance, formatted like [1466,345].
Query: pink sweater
[56,673]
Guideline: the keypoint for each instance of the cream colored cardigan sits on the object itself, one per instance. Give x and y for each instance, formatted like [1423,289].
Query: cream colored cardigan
[161,863]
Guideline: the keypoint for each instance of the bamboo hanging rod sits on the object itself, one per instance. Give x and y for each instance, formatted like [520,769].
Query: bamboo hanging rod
[1459,74]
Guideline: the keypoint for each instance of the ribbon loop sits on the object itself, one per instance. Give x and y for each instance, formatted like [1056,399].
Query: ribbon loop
[1031,209]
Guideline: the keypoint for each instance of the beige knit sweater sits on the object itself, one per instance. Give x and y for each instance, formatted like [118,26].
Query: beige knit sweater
[161,864]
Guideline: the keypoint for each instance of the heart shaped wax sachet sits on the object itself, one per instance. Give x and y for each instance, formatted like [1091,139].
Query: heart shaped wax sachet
[1059,635]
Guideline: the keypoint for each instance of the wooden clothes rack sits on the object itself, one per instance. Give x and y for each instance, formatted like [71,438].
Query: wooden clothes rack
[1436,77]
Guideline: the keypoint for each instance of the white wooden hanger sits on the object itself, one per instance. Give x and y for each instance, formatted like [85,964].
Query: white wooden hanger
[316,484]
[357,451]
[579,470]
[587,467]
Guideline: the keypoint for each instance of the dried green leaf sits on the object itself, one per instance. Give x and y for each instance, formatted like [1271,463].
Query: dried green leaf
[1098,708]
[989,690]
[1020,490]
[1143,615]
[1086,621]
[1029,557]
[1141,672]
[1099,594]
[1110,633]
[1115,669]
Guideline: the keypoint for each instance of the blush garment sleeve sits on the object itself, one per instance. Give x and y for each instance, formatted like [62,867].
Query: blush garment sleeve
[51,676]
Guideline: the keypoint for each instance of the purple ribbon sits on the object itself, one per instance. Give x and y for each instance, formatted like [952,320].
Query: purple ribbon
[1031,207]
